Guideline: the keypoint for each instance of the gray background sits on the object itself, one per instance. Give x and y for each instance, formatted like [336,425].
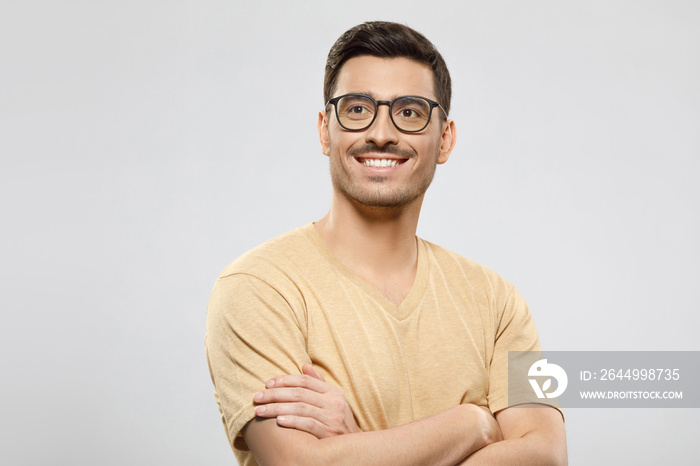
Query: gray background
[145,144]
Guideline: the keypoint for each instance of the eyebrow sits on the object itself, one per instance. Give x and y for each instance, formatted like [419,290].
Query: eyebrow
[374,96]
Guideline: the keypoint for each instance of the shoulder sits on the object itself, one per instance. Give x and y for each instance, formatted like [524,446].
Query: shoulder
[457,268]
[266,279]
[281,254]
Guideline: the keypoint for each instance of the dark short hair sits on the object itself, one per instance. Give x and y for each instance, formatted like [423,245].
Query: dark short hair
[387,40]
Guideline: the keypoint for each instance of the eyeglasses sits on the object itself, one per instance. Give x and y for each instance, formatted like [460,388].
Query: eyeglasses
[409,113]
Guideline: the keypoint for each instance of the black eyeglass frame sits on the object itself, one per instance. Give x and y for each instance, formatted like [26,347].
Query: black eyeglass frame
[390,104]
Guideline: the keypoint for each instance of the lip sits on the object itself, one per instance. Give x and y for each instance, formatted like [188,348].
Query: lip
[361,160]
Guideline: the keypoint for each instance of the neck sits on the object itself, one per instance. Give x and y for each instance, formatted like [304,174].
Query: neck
[372,240]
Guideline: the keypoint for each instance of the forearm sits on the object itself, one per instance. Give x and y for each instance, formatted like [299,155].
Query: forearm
[526,451]
[443,439]
[533,435]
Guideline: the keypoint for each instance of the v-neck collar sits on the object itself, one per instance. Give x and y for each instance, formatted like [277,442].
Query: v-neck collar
[412,299]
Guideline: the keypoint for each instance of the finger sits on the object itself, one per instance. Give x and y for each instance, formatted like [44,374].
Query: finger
[303,417]
[309,370]
[300,380]
[306,424]
[290,395]
[292,409]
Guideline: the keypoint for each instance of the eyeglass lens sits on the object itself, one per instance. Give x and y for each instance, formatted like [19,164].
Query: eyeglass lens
[357,112]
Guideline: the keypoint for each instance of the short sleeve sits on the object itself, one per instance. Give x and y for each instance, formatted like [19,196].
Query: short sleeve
[515,331]
[253,334]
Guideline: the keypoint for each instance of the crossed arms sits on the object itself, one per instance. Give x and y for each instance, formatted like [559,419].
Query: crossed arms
[304,420]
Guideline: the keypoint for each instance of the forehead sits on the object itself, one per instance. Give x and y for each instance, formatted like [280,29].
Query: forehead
[385,78]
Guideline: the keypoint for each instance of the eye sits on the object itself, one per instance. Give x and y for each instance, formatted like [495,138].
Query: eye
[408,113]
[411,108]
[357,109]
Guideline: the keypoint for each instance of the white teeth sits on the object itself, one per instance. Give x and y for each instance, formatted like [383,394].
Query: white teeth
[380,163]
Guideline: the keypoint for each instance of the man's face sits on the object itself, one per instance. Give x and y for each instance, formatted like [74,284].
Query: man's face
[354,154]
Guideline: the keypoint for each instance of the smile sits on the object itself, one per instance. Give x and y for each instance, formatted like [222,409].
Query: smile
[381,163]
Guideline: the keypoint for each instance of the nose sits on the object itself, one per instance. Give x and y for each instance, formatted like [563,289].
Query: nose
[382,131]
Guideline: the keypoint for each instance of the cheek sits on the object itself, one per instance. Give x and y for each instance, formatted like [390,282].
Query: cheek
[340,142]
[429,150]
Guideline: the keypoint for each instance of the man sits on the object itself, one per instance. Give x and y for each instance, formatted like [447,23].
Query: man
[352,341]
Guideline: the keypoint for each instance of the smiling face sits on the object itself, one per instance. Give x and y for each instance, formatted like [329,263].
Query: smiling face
[382,166]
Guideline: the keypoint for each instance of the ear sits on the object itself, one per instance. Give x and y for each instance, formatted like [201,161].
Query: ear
[447,141]
[322,126]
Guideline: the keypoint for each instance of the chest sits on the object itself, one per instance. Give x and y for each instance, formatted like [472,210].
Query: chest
[394,371]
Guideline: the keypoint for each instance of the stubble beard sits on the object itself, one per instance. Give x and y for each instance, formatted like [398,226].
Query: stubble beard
[378,195]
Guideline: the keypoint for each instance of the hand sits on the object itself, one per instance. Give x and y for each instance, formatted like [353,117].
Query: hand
[487,423]
[306,402]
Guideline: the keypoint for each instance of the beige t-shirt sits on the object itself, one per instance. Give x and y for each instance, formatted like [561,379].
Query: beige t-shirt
[290,302]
